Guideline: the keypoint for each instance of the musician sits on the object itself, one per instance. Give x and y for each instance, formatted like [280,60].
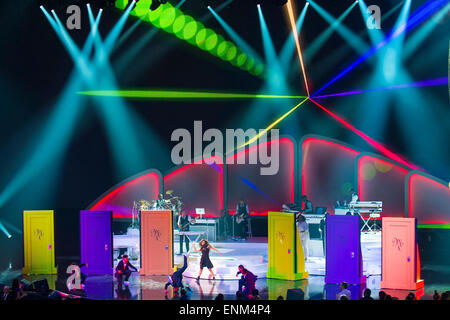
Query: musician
[242,214]
[123,269]
[307,205]
[184,221]
[303,230]
[353,195]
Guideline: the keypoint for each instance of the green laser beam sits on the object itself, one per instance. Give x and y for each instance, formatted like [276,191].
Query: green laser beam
[169,94]
[433,226]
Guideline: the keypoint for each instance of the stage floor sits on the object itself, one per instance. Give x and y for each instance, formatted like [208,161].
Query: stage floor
[253,255]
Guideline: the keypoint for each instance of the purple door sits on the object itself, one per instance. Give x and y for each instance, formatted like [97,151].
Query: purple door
[343,252]
[96,242]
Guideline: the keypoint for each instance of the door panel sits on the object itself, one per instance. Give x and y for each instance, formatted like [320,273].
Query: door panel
[96,242]
[39,251]
[398,253]
[156,242]
[343,249]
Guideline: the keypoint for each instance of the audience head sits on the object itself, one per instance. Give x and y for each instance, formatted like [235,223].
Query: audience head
[367,293]
[343,285]
[388,297]
[436,295]
[219,297]
[411,296]
[343,297]
[280,298]
[382,295]
[445,295]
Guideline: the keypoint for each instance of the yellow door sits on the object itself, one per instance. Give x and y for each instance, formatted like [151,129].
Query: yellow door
[38,236]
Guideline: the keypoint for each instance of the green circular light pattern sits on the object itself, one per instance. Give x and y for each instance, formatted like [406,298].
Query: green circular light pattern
[211,41]
[220,39]
[180,33]
[222,49]
[200,38]
[250,63]
[167,18]
[178,24]
[231,52]
[142,7]
[121,4]
[153,16]
[241,59]
[189,30]
[258,69]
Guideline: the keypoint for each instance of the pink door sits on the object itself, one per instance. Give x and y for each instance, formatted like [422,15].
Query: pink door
[399,260]
[156,242]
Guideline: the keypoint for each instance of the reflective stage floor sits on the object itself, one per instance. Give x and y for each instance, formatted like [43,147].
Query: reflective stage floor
[253,255]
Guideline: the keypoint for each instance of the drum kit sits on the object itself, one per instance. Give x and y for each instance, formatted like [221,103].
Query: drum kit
[172,203]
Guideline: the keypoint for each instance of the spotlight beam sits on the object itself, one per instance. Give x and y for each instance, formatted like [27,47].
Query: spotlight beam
[295,34]
[5,231]
[233,35]
[378,146]
[425,83]
[348,35]
[419,16]
[275,75]
[324,36]
[170,94]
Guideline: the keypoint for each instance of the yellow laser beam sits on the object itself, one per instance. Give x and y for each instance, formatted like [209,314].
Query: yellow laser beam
[273,124]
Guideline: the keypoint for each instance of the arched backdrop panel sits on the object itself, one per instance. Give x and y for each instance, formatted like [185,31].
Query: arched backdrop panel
[119,199]
[262,193]
[199,185]
[327,170]
[428,200]
[380,179]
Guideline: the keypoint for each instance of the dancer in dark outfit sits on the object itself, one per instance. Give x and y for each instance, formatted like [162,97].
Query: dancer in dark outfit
[205,261]
[176,280]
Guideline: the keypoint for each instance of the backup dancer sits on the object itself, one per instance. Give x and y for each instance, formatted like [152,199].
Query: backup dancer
[176,280]
[205,247]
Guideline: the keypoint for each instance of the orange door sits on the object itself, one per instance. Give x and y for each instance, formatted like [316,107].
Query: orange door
[156,242]
[399,253]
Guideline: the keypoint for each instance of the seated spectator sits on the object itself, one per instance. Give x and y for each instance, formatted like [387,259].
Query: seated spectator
[381,295]
[17,290]
[280,298]
[344,297]
[411,296]
[219,297]
[388,297]
[344,291]
[367,294]
[436,295]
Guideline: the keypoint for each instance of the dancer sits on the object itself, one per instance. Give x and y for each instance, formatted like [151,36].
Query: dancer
[176,280]
[123,269]
[205,246]
[247,281]
[303,230]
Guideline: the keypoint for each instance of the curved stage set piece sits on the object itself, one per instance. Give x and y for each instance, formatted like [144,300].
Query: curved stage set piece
[354,250]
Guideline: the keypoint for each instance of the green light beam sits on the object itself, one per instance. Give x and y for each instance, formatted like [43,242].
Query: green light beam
[170,94]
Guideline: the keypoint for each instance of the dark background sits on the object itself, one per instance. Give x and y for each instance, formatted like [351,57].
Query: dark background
[35,69]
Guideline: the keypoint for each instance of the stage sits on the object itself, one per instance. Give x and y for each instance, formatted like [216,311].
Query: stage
[253,255]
